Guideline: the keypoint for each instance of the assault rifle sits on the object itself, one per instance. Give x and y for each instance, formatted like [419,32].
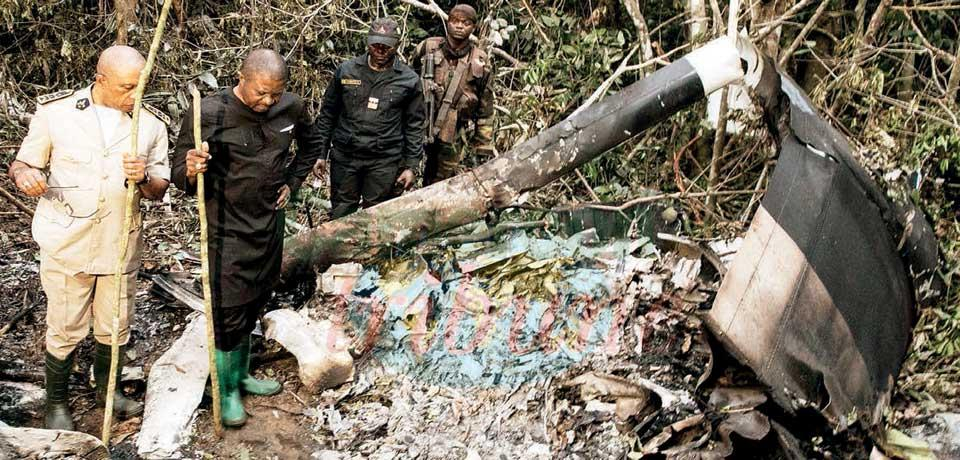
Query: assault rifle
[429,97]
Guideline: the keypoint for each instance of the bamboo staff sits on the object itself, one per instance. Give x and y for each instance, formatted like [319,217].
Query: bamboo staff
[205,268]
[127,217]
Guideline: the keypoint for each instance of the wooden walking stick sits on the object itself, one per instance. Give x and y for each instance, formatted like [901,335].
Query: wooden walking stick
[127,218]
[205,268]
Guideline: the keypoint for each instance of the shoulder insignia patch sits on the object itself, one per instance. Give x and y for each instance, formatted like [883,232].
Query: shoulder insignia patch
[82,104]
[54,96]
[157,113]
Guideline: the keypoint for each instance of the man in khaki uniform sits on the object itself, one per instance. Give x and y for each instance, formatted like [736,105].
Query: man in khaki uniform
[76,158]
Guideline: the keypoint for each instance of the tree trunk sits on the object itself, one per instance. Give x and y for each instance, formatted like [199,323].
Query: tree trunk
[643,33]
[908,74]
[529,166]
[126,11]
[954,80]
[697,10]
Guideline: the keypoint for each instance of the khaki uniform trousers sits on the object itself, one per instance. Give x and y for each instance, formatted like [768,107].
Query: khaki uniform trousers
[74,300]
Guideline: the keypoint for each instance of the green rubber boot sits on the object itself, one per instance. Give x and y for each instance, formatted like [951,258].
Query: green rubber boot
[57,414]
[249,384]
[229,368]
[123,406]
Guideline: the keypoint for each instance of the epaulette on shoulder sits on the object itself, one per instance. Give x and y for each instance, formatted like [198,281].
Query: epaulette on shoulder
[157,113]
[47,98]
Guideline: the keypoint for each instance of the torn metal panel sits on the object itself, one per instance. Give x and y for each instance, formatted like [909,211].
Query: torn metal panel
[174,390]
[818,300]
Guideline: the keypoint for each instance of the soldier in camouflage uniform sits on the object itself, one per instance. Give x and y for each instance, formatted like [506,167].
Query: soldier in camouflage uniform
[456,78]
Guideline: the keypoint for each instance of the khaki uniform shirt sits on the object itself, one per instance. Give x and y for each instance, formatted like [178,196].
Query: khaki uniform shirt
[79,219]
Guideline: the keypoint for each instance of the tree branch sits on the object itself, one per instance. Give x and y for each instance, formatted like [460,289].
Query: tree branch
[643,34]
[622,69]
[875,22]
[954,80]
[926,43]
[512,60]
[431,7]
[536,23]
[803,33]
[13,200]
[669,196]
[789,14]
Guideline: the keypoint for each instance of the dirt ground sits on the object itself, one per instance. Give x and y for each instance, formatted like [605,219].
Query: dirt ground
[275,429]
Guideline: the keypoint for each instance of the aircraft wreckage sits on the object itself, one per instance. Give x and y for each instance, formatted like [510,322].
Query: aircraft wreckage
[819,301]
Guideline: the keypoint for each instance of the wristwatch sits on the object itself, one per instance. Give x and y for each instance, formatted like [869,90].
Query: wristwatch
[146,178]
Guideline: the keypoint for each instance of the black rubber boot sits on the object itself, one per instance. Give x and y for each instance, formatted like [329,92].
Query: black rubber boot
[123,406]
[57,415]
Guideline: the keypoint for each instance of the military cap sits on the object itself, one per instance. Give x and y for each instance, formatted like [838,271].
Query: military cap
[384,31]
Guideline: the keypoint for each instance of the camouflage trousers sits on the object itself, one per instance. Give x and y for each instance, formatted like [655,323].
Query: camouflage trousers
[443,161]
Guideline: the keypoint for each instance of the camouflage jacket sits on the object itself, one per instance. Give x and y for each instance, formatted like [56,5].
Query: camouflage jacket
[471,101]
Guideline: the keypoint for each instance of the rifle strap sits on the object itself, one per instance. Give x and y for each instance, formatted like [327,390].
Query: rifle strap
[458,75]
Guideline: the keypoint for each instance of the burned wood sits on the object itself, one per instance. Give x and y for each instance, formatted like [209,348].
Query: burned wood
[21,375]
[171,289]
[26,307]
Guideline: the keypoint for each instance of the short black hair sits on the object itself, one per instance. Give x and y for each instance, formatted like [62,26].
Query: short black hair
[265,62]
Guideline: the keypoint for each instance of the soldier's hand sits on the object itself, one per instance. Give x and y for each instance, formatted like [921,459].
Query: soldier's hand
[30,180]
[284,197]
[197,161]
[134,168]
[433,86]
[405,179]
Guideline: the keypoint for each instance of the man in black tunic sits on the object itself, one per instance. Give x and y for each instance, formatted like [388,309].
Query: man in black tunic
[247,132]
[370,125]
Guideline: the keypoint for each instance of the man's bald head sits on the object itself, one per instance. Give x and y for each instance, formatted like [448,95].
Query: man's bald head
[119,58]
[263,77]
[264,63]
[118,71]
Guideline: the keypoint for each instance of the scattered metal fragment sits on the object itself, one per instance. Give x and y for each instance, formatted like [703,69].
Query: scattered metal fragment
[174,390]
[49,444]
[321,348]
